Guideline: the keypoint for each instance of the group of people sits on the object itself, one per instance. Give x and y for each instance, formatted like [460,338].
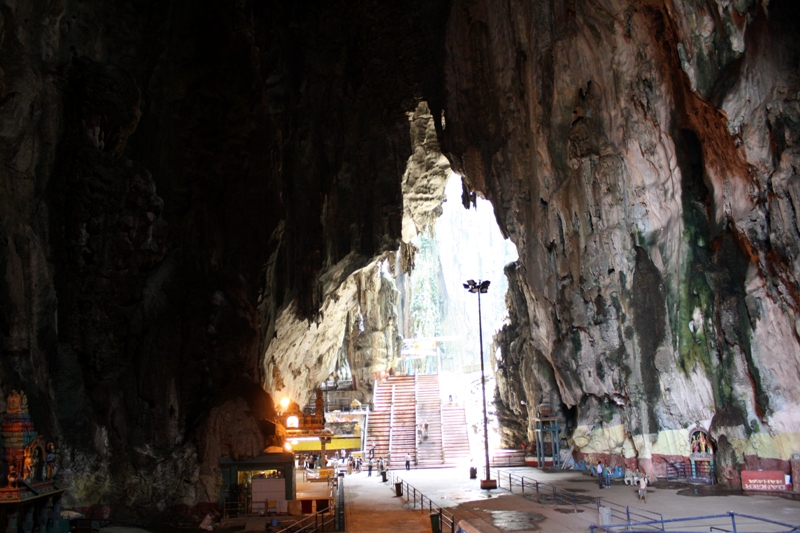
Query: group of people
[381,464]
[604,479]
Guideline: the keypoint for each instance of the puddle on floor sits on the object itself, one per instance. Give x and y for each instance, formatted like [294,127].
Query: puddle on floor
[568,510]
[516,520]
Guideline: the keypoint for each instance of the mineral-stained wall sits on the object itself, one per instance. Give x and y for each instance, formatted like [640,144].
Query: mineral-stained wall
[180,181]
[643,157]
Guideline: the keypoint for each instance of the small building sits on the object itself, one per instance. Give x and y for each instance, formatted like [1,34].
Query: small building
[238,477]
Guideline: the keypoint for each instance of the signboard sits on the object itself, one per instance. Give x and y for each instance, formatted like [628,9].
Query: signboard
[769,480]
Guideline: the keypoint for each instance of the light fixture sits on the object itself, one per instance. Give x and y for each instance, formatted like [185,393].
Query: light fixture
[285,401]
[482,287]
[288,447]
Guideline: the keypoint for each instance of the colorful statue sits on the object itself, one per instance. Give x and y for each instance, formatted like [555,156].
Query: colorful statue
[23,403]
[50,462]
[13,476]
[13,403]
[27,466]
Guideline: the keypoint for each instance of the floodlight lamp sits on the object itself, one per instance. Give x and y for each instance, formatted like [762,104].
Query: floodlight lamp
[285,401]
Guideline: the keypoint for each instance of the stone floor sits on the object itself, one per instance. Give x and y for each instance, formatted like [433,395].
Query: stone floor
[373,507]
[498,510]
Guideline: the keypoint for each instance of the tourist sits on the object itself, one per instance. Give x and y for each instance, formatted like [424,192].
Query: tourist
[369,467]
[607,474]
[599,470]
[408,461]
[643,489]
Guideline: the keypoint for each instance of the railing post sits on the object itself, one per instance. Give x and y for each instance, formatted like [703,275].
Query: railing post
[510,486]
[555,498]
[628,513]
[537,486]
[522,482]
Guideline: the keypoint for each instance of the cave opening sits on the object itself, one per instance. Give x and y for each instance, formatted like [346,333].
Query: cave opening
[438,319]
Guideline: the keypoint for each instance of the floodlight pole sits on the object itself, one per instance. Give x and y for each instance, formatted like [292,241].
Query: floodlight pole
[479,287]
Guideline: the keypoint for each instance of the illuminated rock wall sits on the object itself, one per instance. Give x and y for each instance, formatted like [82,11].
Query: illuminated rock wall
[641,155]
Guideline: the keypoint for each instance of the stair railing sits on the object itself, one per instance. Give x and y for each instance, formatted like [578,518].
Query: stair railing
[365,432]
[441,430]
[391,426]
[417,440]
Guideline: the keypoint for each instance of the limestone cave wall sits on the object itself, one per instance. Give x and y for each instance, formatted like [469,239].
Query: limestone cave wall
[642,157]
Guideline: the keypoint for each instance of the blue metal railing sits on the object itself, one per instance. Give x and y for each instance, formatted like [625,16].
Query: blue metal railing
[630,514]
[647,526]
[545,492]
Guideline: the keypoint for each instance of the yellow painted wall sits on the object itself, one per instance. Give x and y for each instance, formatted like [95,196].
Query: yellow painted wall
[335,444]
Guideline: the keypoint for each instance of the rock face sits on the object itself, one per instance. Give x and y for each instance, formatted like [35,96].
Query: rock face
[184,192]
[640,155]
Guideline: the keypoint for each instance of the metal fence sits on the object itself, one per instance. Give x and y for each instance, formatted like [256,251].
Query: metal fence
[319,522]
[628,515]
[543,492]
[447,520]
[730,522]
[339,520]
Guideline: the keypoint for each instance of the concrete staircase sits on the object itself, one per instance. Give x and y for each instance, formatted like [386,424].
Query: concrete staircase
[392,425]
[400,403]
[429,405]
[455,441]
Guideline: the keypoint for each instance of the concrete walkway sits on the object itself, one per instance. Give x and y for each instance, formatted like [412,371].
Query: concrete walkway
[372,506]
[499,510]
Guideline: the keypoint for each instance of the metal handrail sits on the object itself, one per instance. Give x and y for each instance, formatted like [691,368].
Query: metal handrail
[629,514]
[446,519]
[340,524]
[636,527]
[559,496]
[391,427]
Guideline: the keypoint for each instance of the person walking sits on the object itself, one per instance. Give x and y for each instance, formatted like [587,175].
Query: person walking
[599,470]
[408,461]
[607,474]
[643,489]
[369,468]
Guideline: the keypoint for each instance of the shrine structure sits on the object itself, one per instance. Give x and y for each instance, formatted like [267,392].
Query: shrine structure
[701,456]
[31,497]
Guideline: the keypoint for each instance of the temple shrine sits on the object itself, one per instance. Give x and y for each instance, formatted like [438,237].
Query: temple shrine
[31,496]
[701,456]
